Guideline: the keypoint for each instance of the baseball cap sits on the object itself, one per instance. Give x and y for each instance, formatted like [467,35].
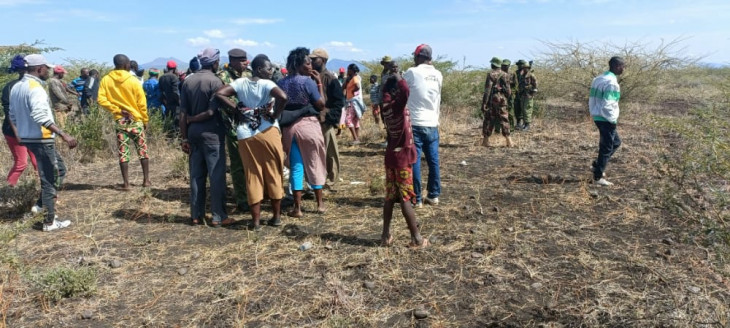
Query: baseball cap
[171,64]
[342,69]
[284,71]
[423,50]
[319,53]
[36,60]
[59,69]
[154,71]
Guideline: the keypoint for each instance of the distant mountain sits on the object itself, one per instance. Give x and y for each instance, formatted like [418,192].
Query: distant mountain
[161,63]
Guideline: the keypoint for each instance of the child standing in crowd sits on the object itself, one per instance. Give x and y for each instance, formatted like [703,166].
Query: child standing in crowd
[375,98]
[400,154]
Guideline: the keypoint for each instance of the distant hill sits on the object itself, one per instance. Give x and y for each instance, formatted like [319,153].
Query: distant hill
[160,63]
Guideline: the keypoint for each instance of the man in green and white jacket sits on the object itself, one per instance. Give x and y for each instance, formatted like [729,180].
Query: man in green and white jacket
[603,105]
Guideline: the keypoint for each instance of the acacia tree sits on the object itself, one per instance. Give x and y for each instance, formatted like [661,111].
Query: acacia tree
[569,67]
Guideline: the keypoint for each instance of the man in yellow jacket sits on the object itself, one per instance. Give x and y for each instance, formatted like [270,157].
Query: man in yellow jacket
[121,94]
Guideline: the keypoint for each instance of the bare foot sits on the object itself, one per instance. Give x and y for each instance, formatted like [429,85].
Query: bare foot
[321,210]
[386,242]
[295,213]
[147,184]
[122,187]
[424,243]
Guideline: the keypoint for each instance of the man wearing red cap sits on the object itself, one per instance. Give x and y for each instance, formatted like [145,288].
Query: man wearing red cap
[170,92]
[61,102]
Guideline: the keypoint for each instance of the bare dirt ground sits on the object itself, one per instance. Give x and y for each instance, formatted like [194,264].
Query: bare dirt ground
[521,238]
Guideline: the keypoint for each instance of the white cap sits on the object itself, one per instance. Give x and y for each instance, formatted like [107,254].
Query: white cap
[36,60]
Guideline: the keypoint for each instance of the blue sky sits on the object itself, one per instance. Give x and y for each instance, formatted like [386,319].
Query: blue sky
[470,31]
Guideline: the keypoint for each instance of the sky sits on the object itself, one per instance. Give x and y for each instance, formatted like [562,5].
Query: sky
[470,32]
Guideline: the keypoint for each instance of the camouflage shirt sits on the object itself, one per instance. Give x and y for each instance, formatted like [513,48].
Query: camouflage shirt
[496,89]
[528,84]
[228,75]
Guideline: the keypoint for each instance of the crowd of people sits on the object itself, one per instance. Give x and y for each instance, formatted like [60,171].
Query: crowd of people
[269,122]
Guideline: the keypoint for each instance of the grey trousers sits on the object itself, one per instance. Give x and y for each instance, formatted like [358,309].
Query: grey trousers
[332,157]
[208,162]
[52,171]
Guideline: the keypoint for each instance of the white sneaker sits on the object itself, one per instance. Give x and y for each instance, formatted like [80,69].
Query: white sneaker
[419,205]
[56,225]
[603,182]
[35,209]
[431,201]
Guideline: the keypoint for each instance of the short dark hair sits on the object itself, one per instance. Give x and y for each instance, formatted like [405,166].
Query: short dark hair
[616,60]
[133,65]
[354,68]
[296,58]
[120,61]
[373,76]
[93,72]
[258,62]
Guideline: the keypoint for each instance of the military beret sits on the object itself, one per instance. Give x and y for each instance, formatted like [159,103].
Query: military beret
[496,61]
[236,53]
[506,62]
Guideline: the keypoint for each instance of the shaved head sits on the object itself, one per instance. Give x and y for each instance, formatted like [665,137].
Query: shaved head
[121,62]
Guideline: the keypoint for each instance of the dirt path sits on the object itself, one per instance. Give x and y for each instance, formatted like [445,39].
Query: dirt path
[520,238]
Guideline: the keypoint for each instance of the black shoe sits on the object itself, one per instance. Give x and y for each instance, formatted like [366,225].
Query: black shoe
[526,127]
[274,222]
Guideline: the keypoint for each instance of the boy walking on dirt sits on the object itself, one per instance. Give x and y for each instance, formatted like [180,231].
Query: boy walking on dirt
[603,105]
[400,154]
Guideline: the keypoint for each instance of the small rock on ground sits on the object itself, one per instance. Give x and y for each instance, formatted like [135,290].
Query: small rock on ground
[477,255]
[694,289]
[115,264]
[420,314]
[87,314]
[369,285]
[536,285]
[182,271]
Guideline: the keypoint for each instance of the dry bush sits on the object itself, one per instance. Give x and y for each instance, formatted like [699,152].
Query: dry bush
[567,68]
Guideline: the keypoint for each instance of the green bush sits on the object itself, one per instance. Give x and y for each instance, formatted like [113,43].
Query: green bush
[94,133]
[65,282]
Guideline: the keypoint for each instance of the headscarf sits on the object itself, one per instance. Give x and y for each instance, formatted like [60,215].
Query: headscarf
[17,64]
[208,56]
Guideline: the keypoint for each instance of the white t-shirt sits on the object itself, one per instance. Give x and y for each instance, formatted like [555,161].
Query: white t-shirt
[253,94]
[424,101]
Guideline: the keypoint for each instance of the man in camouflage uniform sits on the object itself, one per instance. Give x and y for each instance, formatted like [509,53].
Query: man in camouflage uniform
[510,100]
[494,102]
[527,89]
[237,67]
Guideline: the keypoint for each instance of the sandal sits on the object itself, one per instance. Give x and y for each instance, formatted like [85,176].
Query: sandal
[274,222]
[388,242]
[227,222]
[254,227]
[194,222]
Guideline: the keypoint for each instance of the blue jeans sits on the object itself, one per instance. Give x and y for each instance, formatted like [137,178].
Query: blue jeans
[208,162]
[607,145]
[426,140]
[51,170]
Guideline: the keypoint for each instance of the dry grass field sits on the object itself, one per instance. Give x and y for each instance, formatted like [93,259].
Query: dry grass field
[521,239]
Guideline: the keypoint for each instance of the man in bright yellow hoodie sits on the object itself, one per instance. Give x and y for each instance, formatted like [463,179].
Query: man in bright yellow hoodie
[121,94]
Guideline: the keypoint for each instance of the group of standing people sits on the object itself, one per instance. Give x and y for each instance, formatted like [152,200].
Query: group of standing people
[270,125]
[507,102]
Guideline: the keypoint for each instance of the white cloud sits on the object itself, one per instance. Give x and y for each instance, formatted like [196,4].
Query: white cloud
[268,44]
[215,34]
[198,41]
[343,46]
[242,43]
[256,21]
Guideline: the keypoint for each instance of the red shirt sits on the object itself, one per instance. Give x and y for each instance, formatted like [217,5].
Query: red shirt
[400,151]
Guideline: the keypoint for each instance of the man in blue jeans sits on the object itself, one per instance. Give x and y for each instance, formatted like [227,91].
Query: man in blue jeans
[603,105]
[424,103]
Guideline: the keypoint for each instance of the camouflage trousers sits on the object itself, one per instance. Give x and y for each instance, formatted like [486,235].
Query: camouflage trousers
[493,116]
